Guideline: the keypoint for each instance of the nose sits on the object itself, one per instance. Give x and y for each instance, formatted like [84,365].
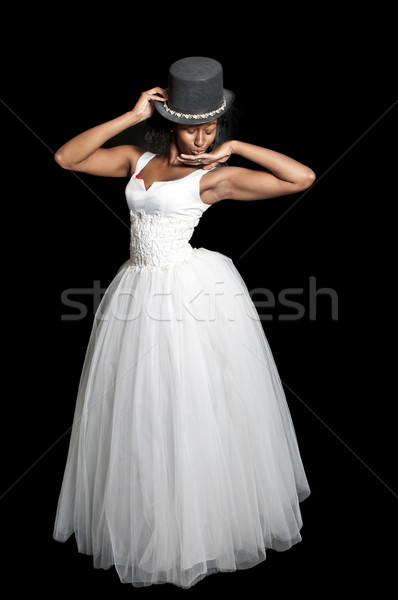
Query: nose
[199,138]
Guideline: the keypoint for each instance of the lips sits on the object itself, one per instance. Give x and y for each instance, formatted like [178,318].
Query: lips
[197,152]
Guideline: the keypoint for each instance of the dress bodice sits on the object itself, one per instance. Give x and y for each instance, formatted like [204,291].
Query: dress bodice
[163,218]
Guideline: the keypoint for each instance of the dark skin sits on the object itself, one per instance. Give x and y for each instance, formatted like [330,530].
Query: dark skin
[187,139]
[278,174]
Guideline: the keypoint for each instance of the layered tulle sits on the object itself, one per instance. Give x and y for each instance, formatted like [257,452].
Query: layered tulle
[183,458]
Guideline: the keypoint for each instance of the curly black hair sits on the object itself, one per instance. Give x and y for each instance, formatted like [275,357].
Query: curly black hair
[158,136]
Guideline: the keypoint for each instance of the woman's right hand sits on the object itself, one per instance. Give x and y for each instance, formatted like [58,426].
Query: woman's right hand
[85,153]
[144,109]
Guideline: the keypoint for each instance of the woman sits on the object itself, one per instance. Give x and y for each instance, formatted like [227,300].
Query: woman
[183,459]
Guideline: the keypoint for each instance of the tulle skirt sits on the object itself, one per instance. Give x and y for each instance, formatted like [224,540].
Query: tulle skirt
[183,459]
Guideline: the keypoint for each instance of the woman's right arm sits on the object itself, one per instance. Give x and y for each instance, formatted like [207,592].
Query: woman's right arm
[84,153]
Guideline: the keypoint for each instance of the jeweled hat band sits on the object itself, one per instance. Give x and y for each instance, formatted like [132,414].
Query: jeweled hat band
[212,113]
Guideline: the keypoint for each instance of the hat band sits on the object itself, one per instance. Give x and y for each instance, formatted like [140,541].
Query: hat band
[192,116]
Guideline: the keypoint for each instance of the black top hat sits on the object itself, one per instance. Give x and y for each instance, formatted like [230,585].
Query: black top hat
[195,92]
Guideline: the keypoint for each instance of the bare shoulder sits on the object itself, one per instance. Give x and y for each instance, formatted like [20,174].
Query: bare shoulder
[124,155]
[132,153]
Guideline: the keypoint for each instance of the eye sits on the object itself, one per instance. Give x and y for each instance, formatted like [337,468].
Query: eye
[210,132]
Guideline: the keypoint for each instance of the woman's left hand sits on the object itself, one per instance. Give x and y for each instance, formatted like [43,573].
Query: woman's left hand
[210,159]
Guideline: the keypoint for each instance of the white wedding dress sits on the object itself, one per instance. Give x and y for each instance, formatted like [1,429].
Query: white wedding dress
[183,459]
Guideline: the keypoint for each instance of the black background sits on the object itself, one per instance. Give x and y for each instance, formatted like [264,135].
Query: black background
[316,84]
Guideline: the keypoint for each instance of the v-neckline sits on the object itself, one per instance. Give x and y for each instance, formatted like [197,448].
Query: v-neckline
[136,175]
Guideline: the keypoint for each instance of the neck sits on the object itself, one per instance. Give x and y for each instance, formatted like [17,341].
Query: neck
[172,156]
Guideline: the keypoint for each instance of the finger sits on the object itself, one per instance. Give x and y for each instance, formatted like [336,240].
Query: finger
[206,157]
[203,155]
[159,93]
[210,159]
[159,90]
[190,162]
[193,159]
[156,98]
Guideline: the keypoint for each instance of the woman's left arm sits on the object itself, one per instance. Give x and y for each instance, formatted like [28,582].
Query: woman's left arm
[283,174]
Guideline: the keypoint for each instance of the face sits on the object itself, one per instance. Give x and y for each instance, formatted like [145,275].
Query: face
[195,139]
